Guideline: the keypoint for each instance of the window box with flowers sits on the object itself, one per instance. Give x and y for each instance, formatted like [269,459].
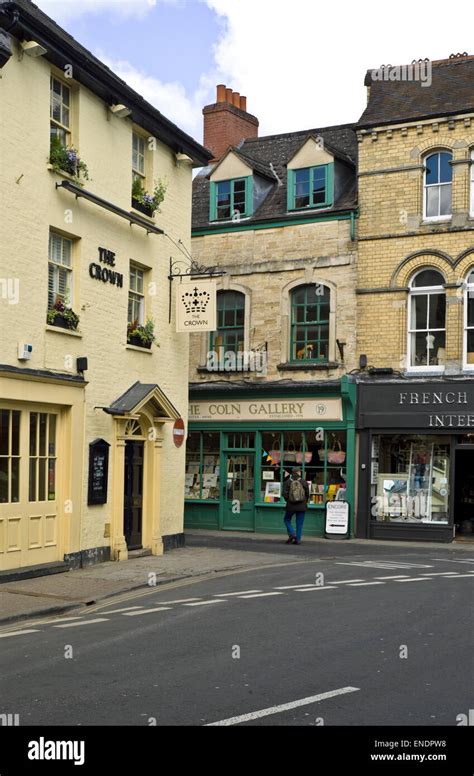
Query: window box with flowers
[65,159]
[142,336]
[62,316]
[148,203]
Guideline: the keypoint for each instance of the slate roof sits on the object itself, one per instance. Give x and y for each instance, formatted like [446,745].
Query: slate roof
[277,150]
[393,102]
[63,49]
[132,397]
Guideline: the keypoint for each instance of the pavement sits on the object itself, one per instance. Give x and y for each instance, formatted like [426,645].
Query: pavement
[207,553]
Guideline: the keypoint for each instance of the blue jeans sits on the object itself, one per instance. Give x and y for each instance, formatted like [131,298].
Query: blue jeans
[299,523]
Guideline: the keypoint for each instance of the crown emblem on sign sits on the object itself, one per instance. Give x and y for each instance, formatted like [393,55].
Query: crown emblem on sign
[195,301]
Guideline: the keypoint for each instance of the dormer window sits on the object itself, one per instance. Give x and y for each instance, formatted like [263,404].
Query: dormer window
[310,187]
[231,199]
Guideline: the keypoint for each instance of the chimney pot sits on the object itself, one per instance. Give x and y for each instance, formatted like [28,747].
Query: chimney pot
[243,103]
[236,99]
[223,125]
[228,95]
[220,93]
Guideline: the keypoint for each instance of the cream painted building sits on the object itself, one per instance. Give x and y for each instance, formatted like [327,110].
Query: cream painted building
[76,246]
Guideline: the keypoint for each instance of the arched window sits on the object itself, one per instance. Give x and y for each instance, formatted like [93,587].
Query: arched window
[427,321]
[309,336]
[438,185]
[469,321]
[230,322]
[472,184]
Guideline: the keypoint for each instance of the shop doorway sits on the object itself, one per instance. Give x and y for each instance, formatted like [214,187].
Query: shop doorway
[133,494]
[239,492]
[464,495]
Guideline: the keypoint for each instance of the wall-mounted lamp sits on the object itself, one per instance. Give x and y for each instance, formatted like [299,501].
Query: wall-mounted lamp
[121,111]
[81,364]
[362,361]
[32,48]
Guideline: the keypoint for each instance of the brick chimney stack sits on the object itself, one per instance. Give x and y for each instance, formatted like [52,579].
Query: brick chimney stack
[227,123]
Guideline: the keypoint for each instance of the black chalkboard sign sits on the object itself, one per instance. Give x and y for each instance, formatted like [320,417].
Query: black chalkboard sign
[98,471]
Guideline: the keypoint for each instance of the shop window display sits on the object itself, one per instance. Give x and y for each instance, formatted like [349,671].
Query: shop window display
[410,478]
[320,455]
[202,466]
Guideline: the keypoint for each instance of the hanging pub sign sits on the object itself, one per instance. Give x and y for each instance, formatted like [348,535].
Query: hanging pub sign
[98,471]
[196,306]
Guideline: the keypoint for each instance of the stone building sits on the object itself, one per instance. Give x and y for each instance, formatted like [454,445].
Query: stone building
[276,215]
[87,399]
[415,302]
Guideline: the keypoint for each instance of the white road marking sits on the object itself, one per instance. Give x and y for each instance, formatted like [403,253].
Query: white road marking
[17,633]
[459,576]
[283,707]
[83,622]
[146,611]
[206,603]
[239,592]
[446,560]
[181,601]
[312,589]
[416,579]
[385,565]
[293,587]
[125,609]
[260,595]
[398,576]
[364,584]
[441,574]
[57,619]
[345,581]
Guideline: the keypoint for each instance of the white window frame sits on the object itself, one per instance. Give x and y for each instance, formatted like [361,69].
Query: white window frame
[66,128]
[139,171]
[468,290]
[427,186]
[64,264]
[421,291]
[134,294]
[471,210]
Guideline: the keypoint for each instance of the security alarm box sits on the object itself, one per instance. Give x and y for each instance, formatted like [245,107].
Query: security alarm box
[24,351]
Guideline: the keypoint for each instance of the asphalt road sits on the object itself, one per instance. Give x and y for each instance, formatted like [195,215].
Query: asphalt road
[361,638]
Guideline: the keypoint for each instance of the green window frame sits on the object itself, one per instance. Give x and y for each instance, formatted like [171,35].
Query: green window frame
[202,463]
[231,199]
[309,330]
[230,332]
[311,187]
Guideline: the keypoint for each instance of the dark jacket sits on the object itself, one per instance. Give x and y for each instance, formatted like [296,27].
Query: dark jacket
[295,506]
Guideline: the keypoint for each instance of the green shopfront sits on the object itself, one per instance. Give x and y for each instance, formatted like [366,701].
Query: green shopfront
[245,438]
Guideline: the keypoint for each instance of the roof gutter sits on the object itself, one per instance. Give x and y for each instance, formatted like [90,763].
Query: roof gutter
[104,83]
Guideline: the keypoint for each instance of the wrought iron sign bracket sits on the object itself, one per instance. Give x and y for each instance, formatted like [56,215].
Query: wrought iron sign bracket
[189,269]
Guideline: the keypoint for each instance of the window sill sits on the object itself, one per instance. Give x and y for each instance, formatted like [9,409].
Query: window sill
[310,208]
[142,214]
[431,221]
[64,174]
[291,366]
[425,370]
[59,330]
[138,349]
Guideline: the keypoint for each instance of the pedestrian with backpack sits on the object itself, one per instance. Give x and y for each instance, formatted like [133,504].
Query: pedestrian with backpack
[296,495]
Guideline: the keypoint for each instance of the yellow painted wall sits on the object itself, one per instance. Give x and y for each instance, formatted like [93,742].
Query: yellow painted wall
[310,155]
[30,206]
[231,167]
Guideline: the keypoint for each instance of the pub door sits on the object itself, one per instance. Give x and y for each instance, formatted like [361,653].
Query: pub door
[133,494]
[239,492]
